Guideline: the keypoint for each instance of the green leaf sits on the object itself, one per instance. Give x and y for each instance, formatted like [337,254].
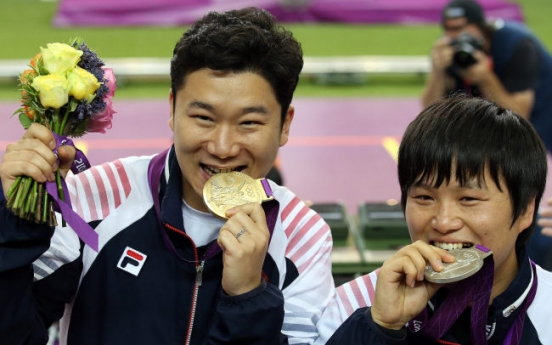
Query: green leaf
[25,121]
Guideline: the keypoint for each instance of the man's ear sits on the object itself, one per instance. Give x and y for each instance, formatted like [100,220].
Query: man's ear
[284,135]
[526,218]
[171,111]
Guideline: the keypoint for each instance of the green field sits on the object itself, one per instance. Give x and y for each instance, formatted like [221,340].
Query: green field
[27,24]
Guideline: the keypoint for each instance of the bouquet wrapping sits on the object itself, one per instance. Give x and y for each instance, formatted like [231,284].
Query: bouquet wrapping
[68,90]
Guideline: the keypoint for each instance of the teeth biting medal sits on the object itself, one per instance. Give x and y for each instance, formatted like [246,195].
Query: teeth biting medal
[468,262]
[226,190]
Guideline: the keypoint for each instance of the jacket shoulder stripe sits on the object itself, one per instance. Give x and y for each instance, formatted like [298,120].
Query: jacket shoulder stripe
[123,177]
[305,230]
[105,187]
[357,293]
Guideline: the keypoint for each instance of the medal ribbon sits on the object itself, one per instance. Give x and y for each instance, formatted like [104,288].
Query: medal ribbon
[477,290]
[81,228]
[155,170]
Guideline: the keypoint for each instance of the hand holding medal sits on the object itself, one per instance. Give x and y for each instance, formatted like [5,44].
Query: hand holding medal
[244,237]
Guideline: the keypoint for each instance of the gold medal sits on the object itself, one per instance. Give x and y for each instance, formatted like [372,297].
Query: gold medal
[468,262]
[226,190]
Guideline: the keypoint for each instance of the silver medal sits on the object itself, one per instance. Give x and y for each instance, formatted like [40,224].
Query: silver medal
[468,262]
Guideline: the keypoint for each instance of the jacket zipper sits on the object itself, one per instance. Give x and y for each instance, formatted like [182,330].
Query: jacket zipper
[199,279]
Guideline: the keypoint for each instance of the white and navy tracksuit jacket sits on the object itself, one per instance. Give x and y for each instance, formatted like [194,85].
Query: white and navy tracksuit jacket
[143,286]
[350,309]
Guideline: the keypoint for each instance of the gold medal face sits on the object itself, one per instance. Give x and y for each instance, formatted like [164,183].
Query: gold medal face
[468,262]
[226,190]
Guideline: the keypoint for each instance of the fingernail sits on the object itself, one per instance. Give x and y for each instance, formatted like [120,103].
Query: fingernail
[52,177]
[52,144]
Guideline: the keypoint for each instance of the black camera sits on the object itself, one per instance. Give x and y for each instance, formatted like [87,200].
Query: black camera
[464,46]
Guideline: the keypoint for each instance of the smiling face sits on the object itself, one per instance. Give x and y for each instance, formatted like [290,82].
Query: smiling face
[452,216]
[224,121]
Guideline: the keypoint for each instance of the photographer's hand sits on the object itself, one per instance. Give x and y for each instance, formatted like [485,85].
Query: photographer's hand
[479,72]
[441,55]
[545,220]
[438,81]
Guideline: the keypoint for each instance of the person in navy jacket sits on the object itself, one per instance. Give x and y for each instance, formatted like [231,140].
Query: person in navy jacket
[471,175]
[168,271]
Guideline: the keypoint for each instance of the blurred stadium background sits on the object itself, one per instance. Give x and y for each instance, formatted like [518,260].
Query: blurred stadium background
[347,127]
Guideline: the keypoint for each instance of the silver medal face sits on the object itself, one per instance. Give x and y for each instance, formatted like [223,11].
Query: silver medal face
[468,262]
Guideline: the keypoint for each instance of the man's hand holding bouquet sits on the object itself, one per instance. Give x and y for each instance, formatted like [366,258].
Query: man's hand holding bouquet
[68,90]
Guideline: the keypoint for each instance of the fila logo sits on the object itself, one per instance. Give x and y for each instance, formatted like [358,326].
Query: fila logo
[132,261]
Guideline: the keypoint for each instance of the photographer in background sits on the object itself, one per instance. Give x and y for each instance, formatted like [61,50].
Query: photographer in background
[500,61]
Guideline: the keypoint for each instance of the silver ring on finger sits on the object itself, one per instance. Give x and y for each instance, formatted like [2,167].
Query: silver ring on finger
[241,232]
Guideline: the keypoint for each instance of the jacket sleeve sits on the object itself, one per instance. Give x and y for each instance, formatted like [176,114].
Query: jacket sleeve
[309,286]
[254,318]
[360,329]
[29,305]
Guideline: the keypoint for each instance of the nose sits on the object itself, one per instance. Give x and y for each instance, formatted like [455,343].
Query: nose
[446,218]
[224,143]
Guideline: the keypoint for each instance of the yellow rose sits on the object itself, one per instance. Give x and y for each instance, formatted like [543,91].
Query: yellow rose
[52,90]
[82,84]
[60,57]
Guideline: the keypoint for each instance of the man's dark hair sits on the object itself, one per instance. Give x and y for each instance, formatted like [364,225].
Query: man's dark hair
[471,135]
[246,40]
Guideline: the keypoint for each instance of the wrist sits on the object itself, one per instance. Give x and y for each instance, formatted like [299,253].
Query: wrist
[396,326]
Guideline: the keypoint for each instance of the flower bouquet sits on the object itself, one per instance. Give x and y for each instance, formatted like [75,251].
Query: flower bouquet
[68,90]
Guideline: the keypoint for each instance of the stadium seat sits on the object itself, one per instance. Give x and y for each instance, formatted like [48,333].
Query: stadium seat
[382,226]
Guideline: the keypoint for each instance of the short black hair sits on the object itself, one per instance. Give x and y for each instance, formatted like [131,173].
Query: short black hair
[245,40]
[473,134]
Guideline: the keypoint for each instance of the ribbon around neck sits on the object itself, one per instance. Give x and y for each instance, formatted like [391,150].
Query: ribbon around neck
[81,228]
[475,289]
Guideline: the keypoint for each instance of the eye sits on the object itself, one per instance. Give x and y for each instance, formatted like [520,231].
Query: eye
[250,124]
[423,198]
[202,119]
[469,200]
[420,195]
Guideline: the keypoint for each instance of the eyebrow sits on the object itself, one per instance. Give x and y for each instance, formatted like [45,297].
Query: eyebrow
[258,109]
[200,105]
[247,110]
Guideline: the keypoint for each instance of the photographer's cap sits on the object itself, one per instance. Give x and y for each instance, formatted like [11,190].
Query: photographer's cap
[468,9]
